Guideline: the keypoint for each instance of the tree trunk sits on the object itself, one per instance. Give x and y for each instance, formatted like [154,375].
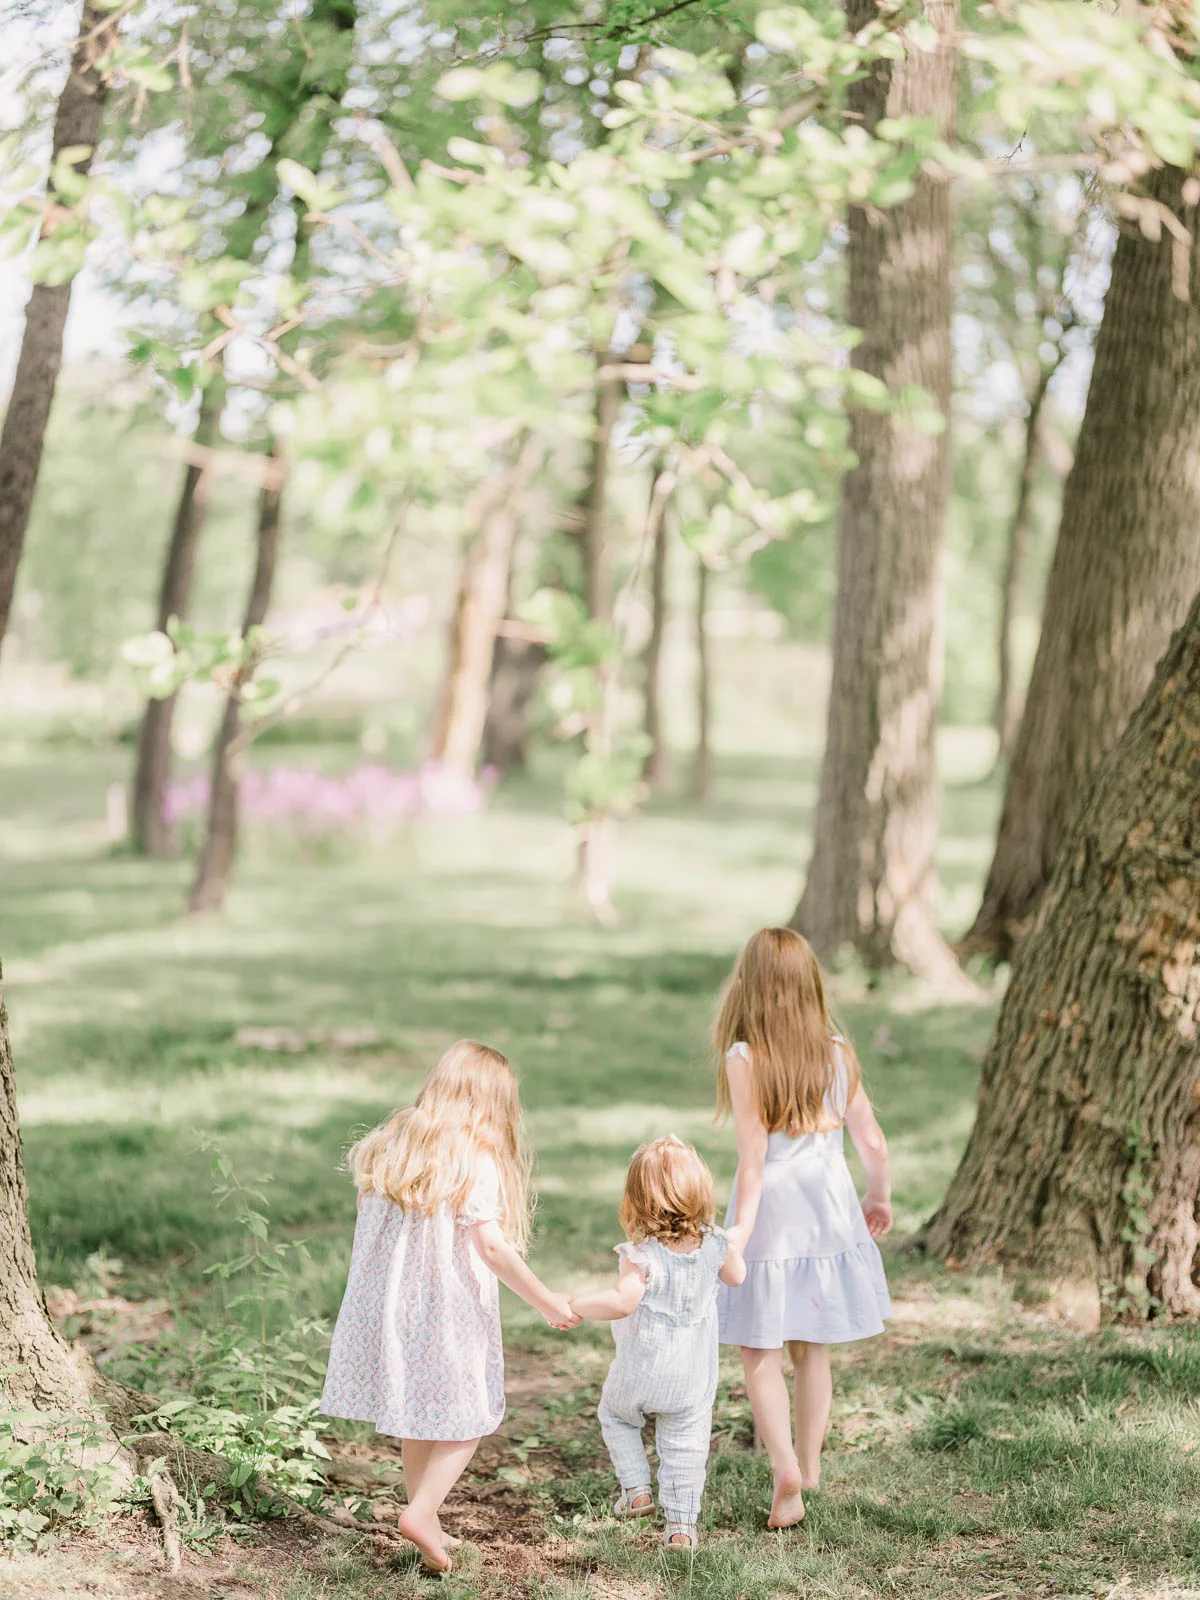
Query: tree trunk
[40,1369]
[76,125]
[656,769]
[702,760]
[595,843]
[220,842]
[1084,1163]
[1125,566]
[478,613]
[152,771]
[871,878]
[1008,696]
[515,668]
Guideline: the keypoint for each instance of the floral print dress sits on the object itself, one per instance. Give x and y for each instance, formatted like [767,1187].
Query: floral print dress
[416,1349]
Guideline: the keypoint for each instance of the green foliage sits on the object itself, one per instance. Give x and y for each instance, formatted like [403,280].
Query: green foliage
[252,1391]
[54,1477]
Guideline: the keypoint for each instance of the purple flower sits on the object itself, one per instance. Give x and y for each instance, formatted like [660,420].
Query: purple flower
[370,798]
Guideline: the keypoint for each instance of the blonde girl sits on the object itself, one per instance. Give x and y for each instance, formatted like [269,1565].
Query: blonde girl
[664,1317]
[814,1276]
[443,1212]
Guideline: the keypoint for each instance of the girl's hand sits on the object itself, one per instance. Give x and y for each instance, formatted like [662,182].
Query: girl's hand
[560,1313]
[878,1214]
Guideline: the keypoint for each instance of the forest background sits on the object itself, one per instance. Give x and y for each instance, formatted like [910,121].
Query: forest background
[493,508]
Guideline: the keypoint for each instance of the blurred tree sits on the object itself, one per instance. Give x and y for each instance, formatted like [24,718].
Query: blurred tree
[63,236]
[491,527]
[322,76]
[1084,1163]
[280,103]
[871,878]
[702,757]
[1128,555]
[219,849]
[657,764]
[1031,249]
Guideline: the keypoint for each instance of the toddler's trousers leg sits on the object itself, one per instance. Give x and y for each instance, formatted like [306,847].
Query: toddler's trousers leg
[623,1436]
[683,1439]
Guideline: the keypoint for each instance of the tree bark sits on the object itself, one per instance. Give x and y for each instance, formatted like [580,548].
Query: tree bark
[656,768]
[478,613]
[1008,697]
[152,770]
[40,1369]
[76,124]
[871,877]
[702,759]
[220,842]
[516,664]
[1084,1163]
[1126,563]
[595,843]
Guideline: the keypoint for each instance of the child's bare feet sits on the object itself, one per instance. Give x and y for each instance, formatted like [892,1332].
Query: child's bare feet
[426,1533]
[787,1508]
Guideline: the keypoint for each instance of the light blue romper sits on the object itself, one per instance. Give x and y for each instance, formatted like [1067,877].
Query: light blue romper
[666,1367]
[813,1271]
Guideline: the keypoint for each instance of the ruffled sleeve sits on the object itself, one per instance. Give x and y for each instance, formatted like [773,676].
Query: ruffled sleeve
[483,1202]
[738,1052]
[637,1255]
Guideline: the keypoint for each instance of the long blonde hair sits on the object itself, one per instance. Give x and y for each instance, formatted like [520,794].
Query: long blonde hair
[774,1003]
[425,1155]
[668,1193]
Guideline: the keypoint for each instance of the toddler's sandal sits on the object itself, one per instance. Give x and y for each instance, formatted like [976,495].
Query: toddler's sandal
[680,1536]
[634,1503]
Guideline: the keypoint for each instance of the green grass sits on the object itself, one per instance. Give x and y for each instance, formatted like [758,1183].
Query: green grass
[980,1449]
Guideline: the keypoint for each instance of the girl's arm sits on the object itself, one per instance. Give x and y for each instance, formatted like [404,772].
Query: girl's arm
[733,1268]
[873,1152]
[751,1137]
[610,1305]
[499,1257]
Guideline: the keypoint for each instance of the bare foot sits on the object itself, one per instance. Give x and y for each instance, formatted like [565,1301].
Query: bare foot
[787,1508]
[426,1533]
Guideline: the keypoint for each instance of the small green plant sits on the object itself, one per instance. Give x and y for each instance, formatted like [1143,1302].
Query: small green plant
[53,1476]
[253,1390]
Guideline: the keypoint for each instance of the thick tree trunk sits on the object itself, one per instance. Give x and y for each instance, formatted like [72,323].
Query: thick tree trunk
[1125,566]
[1084,1163]
[702,758]
[220,843]
[1008,697]
[152,770]
[871,877]
[516,665]
[40,1369]
[478,613]
[656,769]
[76,125]
[595,843]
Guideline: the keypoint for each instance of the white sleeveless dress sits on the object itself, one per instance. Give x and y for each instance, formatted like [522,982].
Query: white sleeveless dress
[813,1271]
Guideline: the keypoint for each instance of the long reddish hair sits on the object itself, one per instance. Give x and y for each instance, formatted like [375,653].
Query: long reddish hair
[774,1003]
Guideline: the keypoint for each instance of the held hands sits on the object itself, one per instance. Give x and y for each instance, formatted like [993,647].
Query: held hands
[878,1215]
[560,1313]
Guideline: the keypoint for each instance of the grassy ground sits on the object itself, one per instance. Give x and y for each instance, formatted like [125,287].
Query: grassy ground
[984,1448]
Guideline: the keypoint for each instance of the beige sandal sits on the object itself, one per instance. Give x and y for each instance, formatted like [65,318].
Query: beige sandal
[685,1531]
[627,1505]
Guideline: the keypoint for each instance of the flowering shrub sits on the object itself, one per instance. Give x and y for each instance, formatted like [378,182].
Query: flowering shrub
[316,805]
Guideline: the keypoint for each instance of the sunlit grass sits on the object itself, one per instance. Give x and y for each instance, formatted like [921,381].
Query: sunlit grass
[980,1449]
